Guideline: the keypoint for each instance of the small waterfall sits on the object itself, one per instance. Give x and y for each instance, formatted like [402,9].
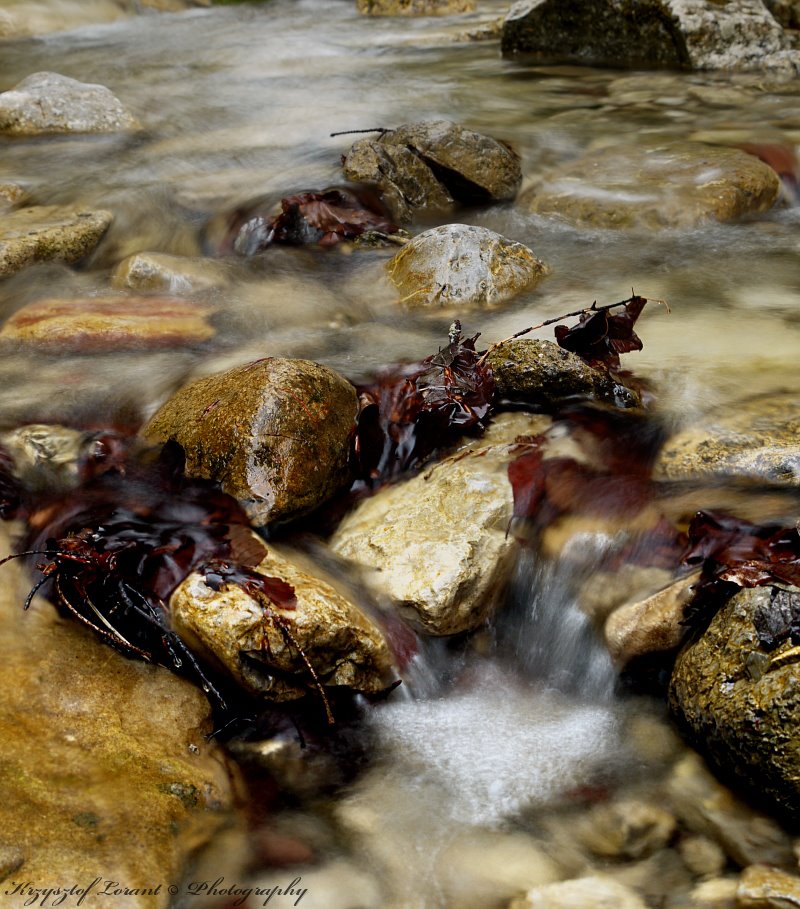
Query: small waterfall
[552,640]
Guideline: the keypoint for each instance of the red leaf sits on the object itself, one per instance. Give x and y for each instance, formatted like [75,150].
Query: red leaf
[600,337]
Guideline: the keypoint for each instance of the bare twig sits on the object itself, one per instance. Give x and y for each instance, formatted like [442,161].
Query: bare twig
[351,132]
[569,315]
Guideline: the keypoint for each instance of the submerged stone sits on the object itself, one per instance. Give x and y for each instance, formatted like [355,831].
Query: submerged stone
[676,185]
[458,265]
[107,324]
[51,103]
[741,700]
[274,433]
[344,647]
[759,439]
[46,233]
[167,273]
[580,893]
[697,34]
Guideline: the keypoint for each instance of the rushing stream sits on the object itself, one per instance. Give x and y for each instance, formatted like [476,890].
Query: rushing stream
[513,732]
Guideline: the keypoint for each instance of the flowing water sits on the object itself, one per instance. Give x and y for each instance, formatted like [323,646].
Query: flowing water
[238,102]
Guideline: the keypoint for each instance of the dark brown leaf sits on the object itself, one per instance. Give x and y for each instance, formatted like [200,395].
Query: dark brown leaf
[600,337]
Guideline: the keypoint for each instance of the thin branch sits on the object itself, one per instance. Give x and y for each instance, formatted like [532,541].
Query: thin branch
[351,132]
[578,312]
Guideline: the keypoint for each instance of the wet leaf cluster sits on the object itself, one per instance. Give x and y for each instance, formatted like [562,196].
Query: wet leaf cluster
[409,412]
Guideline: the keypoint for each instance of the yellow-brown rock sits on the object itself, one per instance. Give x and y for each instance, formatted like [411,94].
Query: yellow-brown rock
[414,7]
[678,185]
[460,266]
[105,763]
[47,233]
[107,324]
[344,647]
[274,433]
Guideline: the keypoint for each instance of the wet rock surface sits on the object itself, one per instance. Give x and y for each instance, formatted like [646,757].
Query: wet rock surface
[46,457]
[457,265]
[274,433]
[11,195]
[541,372]
[680,185]
[649,626]
[761,887]
[707,808]
[581,893]
[758,438]
[407,185]
[414,7]
[728,34]
[51,103]
[437,544]
[250,640]
[49,233]
[741,700]
[107,764]
[423,168]
[164,273]
[108,323]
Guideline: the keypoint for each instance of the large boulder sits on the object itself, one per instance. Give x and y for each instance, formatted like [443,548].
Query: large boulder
[741,700]
[45,233]
[423,167]
[50,103]
[701,34]
[438,544]
[274,433]
[265,647]
[541,372]
[107,323]
[457,265]
[759,438]
[108,764]
[675,185]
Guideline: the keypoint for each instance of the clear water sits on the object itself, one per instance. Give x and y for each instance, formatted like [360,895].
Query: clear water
[238,102]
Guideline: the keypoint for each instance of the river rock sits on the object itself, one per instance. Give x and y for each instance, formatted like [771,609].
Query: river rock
[437,544]
[274,433]
[50,103]
[702,856]
[716,893]
[706,807]
[762,887]
[108,766]
[46,233]
[457,265]
[249,639]
[45,457]
[164,273]
[474,168]
[759,439]
[741,700]
[652,625]
[701,34]
[11,195]
[408,186]
[675,185]
[582,893]
[541,372]
[108,323]
[414,7]
[626,829]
